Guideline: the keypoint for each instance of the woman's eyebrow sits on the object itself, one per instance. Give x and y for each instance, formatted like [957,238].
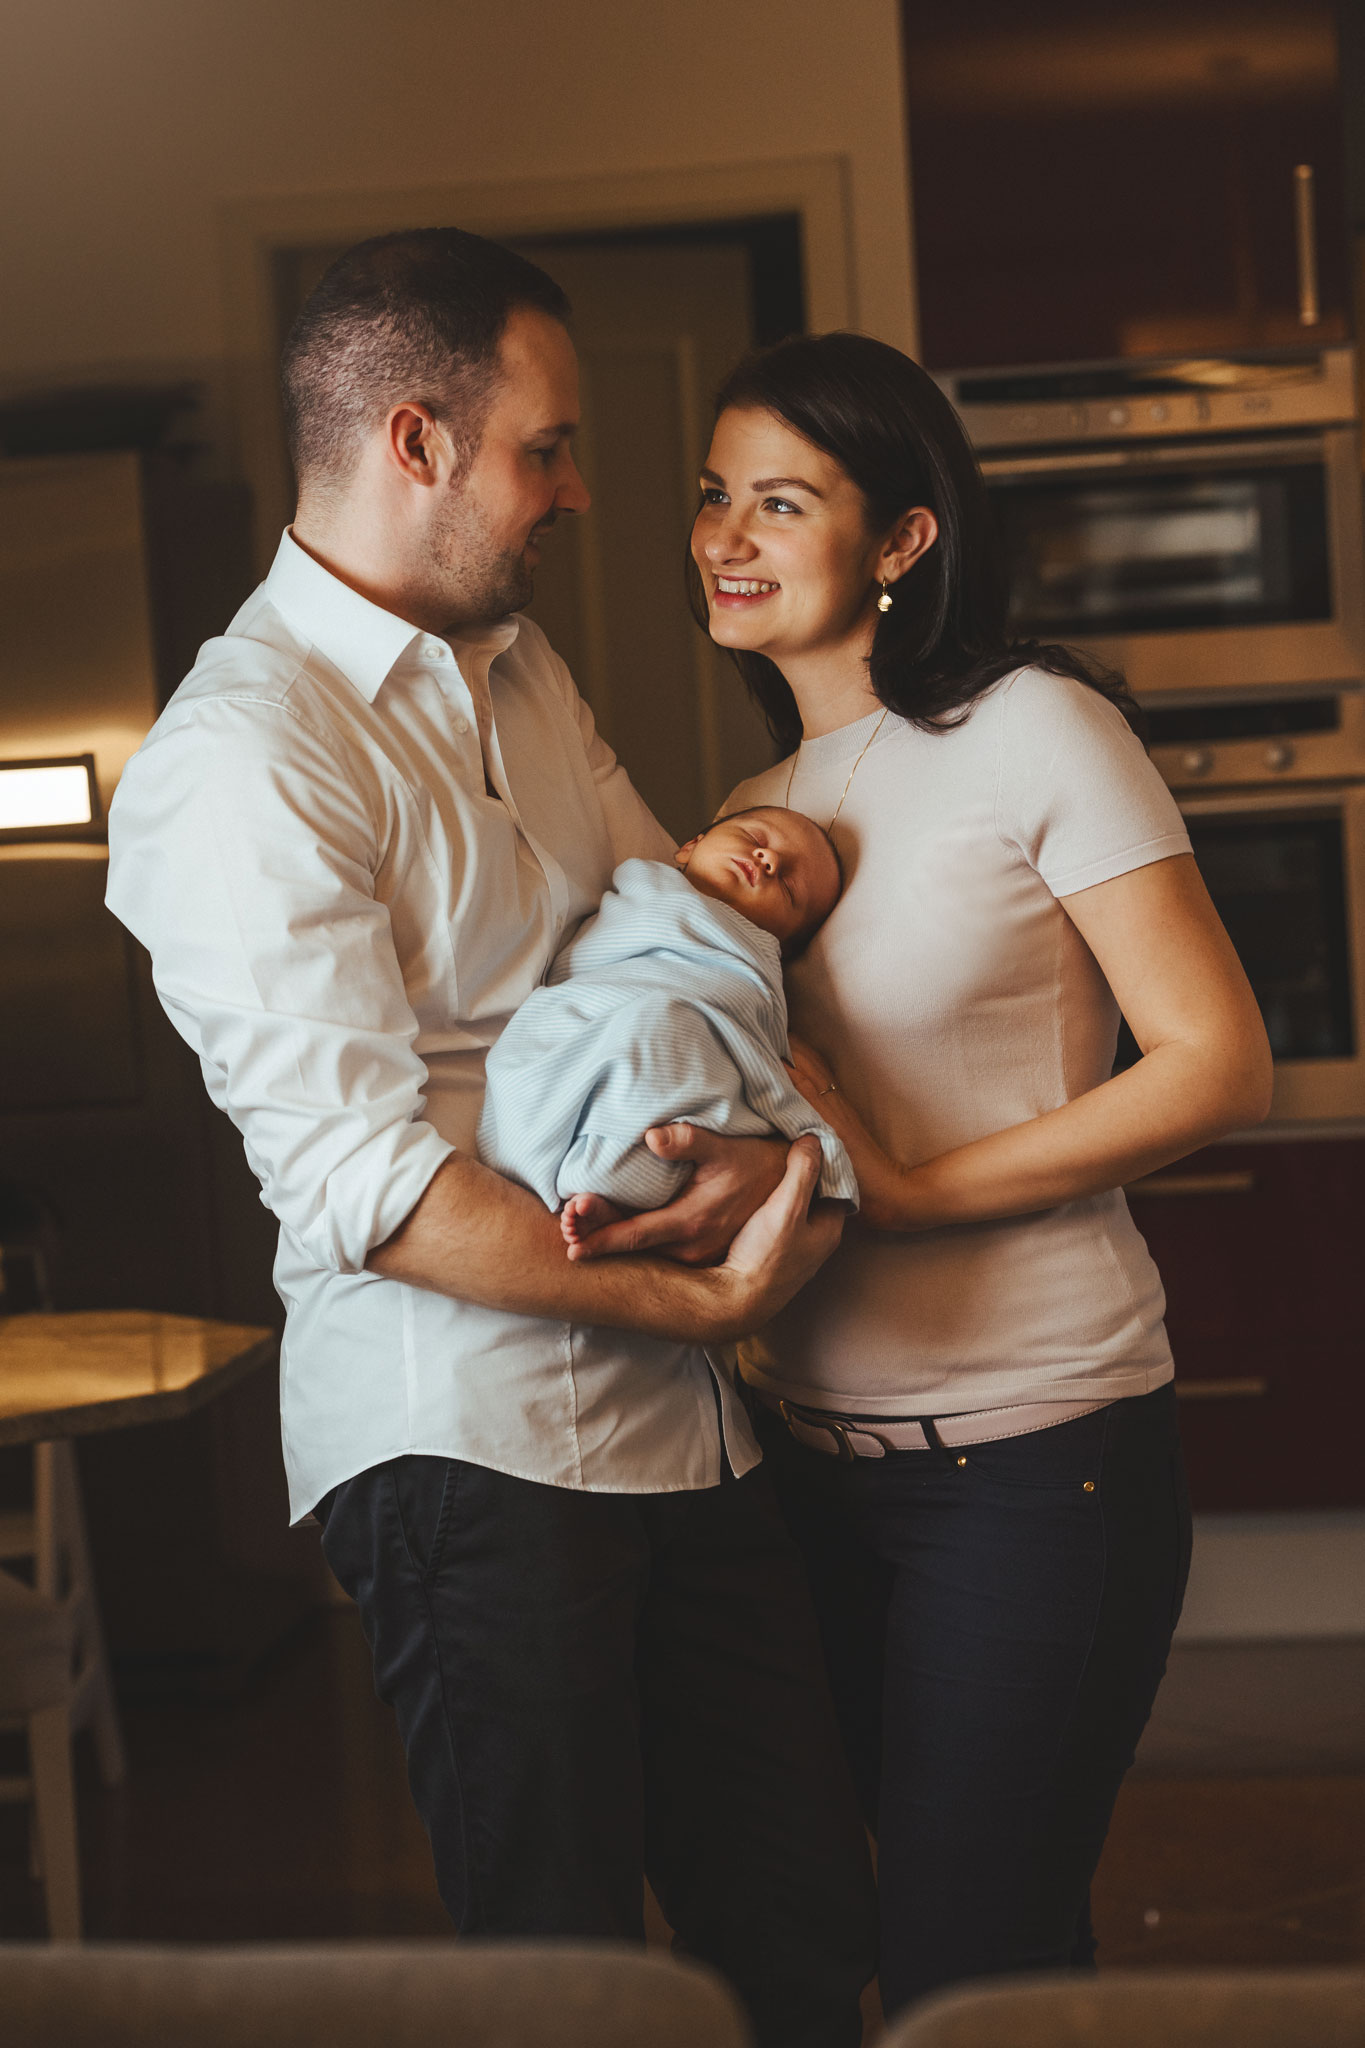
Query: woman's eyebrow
[797,483]
[766,483]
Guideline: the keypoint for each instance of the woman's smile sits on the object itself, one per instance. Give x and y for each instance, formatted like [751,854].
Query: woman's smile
[738,593]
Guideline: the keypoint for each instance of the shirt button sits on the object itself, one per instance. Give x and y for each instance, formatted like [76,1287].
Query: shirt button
[436,650]
[462,725]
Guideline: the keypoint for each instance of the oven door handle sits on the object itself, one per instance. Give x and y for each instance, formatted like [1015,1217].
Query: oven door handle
[1306,244]
[1176,1187]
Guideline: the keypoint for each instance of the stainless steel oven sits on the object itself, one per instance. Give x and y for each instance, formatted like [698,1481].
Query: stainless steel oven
[1196,524]
[1273,793]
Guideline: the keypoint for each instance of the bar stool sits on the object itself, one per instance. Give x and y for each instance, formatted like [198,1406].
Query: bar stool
[54,1671]
[37,1649]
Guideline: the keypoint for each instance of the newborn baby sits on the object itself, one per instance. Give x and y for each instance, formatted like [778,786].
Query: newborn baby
[667,1007]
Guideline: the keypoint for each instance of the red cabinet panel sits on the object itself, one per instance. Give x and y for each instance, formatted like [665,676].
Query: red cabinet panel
[1262,1249]
[1091,182]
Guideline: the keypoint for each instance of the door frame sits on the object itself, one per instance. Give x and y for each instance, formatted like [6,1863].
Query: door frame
[817,189]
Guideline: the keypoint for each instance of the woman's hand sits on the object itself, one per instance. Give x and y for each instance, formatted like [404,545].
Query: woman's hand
[810,1072]
[884,1188]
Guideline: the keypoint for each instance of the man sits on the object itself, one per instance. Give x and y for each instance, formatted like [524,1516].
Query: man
[351,844]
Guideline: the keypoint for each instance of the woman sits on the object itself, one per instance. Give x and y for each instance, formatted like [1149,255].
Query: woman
[970,1410]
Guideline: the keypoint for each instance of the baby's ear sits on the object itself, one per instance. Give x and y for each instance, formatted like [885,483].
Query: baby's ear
[684,853]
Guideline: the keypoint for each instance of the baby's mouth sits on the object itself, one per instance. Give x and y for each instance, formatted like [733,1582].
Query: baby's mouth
[746,868]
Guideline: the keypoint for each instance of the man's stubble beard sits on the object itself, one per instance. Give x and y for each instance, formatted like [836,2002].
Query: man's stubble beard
[481,581]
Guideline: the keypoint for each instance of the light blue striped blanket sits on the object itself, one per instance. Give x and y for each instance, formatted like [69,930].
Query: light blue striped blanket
[665,1007]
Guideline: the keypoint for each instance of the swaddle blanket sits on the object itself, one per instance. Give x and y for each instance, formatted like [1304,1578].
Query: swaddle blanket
[665,1007]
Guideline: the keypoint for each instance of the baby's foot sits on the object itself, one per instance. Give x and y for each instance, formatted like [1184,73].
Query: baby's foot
[583,1214]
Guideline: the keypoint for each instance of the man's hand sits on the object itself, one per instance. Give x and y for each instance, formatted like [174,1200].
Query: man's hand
[731,1179]
[780,1247]
[481,1238]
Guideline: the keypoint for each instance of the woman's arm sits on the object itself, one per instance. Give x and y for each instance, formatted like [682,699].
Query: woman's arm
[1205,1070]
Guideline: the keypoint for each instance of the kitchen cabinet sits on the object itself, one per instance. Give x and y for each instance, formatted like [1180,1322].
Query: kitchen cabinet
[1099,181]
[1260,1248]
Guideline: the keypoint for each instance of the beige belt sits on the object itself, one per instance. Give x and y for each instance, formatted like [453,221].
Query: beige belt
[873,1436]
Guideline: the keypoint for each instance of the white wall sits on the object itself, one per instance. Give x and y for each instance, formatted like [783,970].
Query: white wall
[124,127]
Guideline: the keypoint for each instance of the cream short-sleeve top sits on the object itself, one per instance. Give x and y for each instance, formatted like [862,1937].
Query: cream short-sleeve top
[954,997]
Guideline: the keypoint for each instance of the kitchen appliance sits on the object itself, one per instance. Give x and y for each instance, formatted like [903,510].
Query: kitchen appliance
[1273,792]
[1194,523]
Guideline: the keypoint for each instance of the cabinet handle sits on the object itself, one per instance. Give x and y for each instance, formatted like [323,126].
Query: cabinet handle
[1222,1390]
[1172,1186]
[1306,244]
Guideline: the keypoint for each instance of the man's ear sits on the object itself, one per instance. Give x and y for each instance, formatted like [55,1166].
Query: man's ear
[419,444]
[685,853]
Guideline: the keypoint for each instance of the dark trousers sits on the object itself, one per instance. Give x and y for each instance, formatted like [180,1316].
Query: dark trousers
[996,1622]
[591,1687]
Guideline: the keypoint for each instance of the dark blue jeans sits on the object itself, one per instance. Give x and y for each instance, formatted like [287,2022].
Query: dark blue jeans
[592,1686]
[996,1621]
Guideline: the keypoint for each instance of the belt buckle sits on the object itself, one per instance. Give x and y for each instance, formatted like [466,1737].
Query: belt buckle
[844,1449]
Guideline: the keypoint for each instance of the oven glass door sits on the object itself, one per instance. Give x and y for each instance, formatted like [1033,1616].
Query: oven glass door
[1279,885]
[1286,871]
[1167,540]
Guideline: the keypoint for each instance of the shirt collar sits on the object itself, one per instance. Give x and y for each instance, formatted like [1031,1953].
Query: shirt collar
[360,638]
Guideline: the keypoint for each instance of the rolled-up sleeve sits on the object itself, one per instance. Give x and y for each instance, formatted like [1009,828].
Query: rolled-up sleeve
[243,855]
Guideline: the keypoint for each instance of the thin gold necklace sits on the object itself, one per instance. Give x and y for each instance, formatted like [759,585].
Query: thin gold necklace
[851,773]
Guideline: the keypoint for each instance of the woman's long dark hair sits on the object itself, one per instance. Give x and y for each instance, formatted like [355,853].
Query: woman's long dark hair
[946,638]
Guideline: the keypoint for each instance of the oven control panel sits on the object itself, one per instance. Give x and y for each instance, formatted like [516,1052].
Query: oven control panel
[1136,399]
[1260,740]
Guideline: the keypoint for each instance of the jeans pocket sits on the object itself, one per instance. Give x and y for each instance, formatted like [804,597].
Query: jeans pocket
[1068,1458]
[425,1490]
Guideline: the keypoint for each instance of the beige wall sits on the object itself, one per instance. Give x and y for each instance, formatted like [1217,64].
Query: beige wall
[124,127]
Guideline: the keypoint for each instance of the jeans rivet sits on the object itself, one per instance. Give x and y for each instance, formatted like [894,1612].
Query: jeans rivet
[1089,1486]
[962,1461]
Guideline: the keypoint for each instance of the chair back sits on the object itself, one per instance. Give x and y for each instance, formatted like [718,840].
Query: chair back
[1145,2009]
[429,1994]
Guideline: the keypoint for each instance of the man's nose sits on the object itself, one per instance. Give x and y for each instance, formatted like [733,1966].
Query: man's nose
[573,494]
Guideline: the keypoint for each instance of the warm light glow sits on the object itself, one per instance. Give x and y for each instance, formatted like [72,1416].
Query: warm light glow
[36,799]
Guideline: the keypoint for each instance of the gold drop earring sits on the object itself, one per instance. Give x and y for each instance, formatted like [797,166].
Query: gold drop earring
[884,601]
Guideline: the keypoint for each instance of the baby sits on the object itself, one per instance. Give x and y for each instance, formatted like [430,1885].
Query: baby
[667,1007]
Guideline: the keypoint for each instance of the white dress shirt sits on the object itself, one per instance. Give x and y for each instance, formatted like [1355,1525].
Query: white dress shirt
[352,848]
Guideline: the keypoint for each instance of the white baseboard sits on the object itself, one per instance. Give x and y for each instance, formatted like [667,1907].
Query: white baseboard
[1267,1577]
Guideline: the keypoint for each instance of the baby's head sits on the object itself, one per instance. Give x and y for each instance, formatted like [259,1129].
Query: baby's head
[778,868]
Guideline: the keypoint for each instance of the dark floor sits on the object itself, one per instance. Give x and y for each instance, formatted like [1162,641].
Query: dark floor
[285,1815]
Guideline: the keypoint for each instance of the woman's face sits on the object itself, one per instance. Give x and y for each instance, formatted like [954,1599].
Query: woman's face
[787,559]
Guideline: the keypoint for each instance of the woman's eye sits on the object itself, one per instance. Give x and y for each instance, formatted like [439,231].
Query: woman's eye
[779,505]
[712,495]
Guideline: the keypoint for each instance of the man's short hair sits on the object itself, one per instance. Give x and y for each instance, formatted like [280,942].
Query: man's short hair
[417,316]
